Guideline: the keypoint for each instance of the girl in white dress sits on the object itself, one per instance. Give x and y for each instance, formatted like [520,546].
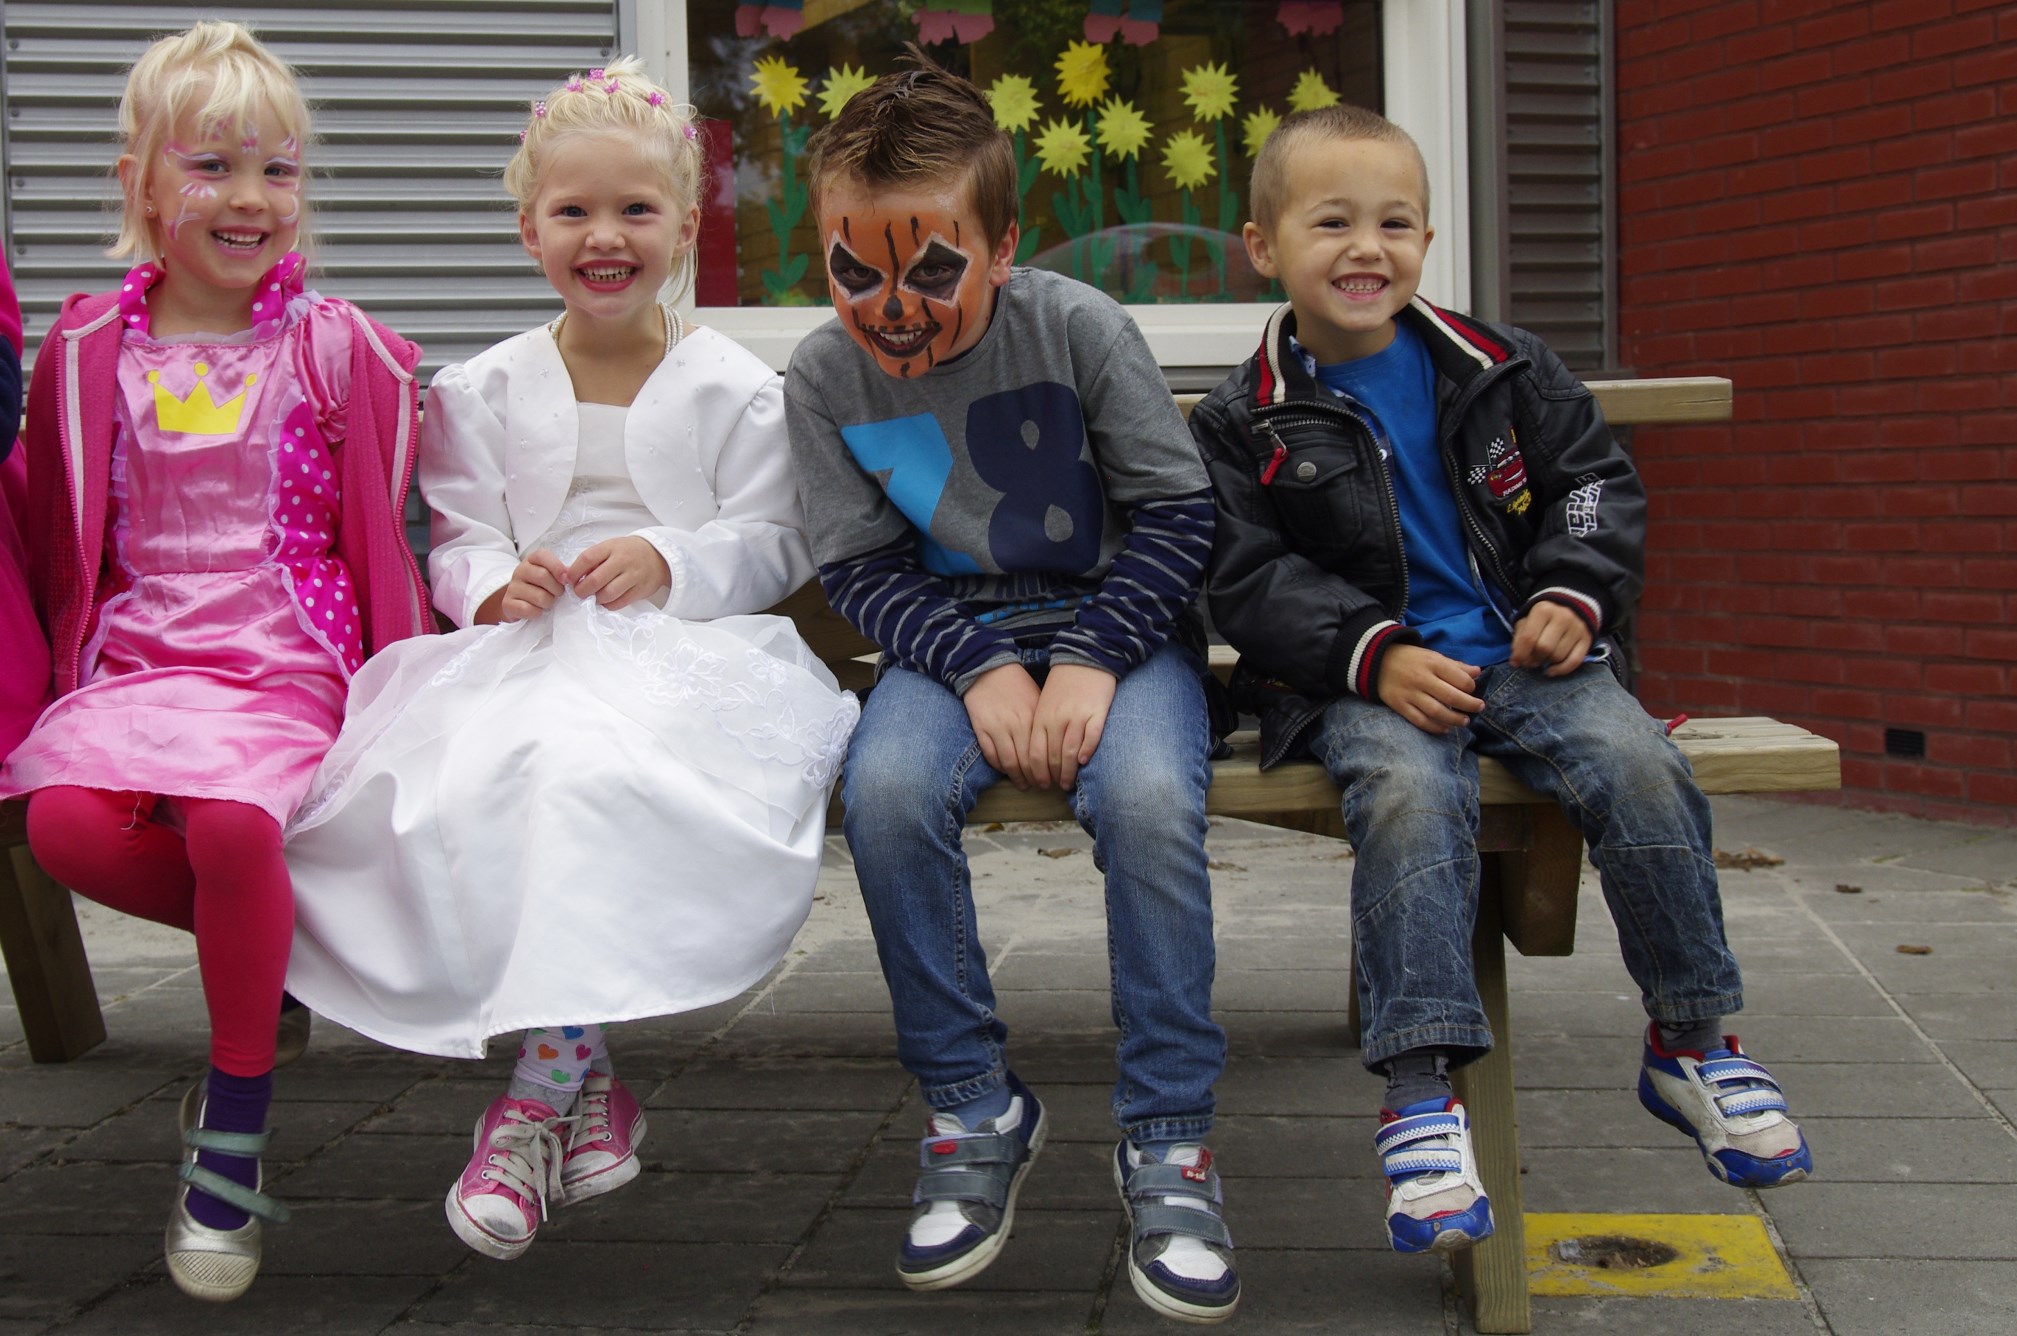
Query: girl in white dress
[605,797]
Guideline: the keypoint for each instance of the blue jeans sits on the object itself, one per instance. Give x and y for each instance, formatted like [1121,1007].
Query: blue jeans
[914,771]
[1411,812]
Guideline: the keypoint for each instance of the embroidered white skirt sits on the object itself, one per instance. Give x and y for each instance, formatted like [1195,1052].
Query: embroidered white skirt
[590,816]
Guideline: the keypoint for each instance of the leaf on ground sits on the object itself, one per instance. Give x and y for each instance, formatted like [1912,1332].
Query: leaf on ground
[1747,860]
[1057,853]
[993,826]
[1217,866]
[1844,888]
[1915,950]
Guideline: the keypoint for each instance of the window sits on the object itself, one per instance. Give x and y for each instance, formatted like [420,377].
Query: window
[1134,121]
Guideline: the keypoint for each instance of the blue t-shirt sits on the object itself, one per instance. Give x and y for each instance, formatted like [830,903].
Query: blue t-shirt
[1446,602]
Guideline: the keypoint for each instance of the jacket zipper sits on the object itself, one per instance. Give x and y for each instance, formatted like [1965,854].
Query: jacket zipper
[1264,422]
[1452,469]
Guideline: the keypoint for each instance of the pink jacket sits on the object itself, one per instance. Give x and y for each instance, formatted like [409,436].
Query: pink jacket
[69,442]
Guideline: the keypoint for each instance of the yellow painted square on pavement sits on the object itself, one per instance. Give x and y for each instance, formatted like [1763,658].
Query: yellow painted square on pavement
[1712,1257]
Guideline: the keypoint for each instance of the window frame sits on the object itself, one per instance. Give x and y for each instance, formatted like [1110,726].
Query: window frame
[1423,68]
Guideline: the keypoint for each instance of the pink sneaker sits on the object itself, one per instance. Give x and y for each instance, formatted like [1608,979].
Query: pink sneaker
[602,1150]
[498,1203]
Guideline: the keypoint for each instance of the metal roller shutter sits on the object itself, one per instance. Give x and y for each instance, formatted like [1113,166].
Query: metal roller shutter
[1560,195]
[418,107]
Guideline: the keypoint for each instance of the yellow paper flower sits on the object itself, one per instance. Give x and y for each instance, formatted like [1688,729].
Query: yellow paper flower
[1062,147]
[1014,99]
[842,83]
[1209,91]
[1188,159]
[1123,129]
[1082,74]
[1259,125]
[1311,92]
[777,85]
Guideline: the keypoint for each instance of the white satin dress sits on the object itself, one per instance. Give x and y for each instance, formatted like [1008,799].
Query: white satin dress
[591,816]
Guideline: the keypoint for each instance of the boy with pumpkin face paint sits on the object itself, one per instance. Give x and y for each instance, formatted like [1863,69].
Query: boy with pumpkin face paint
[1001,493]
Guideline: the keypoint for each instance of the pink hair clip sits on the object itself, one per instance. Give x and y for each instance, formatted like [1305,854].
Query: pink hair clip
[613,86]
[574,83]
[539,108]
[656,98]
[690,132]
[595,73]
[521,136]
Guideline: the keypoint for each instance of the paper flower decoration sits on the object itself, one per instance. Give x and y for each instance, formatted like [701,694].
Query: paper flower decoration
[1311,92]
[1122,129]
[1209,91]
[1320,18]
[780,20]
[778,86]
[1062,147]
[1082,74]
[842,83]
[1014,100]
[1188,159]
[1258,126]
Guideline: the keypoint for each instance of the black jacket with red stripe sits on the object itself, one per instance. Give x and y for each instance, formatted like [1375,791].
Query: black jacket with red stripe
[1309,578]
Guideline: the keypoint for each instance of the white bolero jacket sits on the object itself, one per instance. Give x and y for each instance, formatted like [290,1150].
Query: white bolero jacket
[704,442]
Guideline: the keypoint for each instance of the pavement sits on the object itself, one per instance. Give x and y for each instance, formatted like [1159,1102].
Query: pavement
[783,1134]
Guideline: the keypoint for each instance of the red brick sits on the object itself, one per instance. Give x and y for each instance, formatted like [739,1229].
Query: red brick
[1796,138]
[1823,369]
[1803,469]
[1990,499]
[1989,573]
[1992,716]
[1752,113]
[1806,67]
[1848,637]
[1989,429]
[1881,537]
[1906,293]
[1837,233]
[1910,82]
[1874,192]
[1959,396]
[1872,331]
[1831,98]
[1946,39]
[1932,359]
[1992,643]
[1970,538]
[1970,251]
[1873,53]
[1846,704]
[1889,674]
[1926,712]
[1918,573]
[1873,400]
[1813,202]
[1948,606]
[1722,20]
[1965,749]
[1910,155]
[1923,502]
[1689,63]
[1873,262]
[1832,303]
[2001,211]
[1807,271]
[1903,13]
[1844,503]
[1837,25]
[1967,679]
[1967,178]
[1996,64]
[1682,192]
[1882,122]
[1962,108]
[1997,790]
[1879,467]
[1724,150]
[1758,177]
[1920,433]
[1923,779]
[1923,221]
[1954,322]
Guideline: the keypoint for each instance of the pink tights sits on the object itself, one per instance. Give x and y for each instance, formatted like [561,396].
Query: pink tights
[223,879]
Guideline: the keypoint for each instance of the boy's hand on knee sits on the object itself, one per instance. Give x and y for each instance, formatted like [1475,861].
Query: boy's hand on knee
[536,581]
[1432,691]
[1552,637]
[1070,716]
[1000,705]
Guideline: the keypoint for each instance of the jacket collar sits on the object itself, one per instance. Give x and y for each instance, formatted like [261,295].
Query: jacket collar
[1459,346]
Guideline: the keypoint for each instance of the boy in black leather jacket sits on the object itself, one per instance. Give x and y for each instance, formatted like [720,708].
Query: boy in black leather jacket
[1424,527]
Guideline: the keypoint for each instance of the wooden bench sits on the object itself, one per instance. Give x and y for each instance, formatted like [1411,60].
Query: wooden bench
[1530,865]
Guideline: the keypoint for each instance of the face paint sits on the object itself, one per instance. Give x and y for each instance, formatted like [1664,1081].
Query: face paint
[283,173]
[911,286]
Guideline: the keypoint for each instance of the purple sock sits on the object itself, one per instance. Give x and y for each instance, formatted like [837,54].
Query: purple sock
[233,1104]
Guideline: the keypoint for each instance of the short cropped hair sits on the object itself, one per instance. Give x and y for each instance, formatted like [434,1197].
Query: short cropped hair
[216,76]
[923,125]
[616,99]
[1343,121]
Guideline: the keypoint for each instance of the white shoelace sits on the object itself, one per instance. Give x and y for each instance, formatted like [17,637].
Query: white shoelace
[525,1156]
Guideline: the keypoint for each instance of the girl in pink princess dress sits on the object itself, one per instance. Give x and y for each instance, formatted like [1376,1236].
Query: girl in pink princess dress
[24,657]
[217,461]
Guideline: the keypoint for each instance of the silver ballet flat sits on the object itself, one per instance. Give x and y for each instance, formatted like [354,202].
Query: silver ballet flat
[216,1265]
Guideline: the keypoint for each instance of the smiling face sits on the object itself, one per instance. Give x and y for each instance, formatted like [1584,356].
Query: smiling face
[910,271]
[1347,243]
[605,226]
[224,204]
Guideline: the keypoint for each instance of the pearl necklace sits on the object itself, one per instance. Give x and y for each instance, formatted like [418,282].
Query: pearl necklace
[675,328]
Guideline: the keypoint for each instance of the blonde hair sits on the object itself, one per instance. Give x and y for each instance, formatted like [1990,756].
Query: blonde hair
[216,77]
[1342,121]
[618,99]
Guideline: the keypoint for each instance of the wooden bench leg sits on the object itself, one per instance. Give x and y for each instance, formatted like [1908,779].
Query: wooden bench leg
[45,961]
[1493,1276]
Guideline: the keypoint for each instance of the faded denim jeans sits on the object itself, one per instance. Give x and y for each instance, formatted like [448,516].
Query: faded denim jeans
[1411,812]
[914,771]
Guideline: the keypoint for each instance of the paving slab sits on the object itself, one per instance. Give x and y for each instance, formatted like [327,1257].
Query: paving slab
[1883,1297]
[585,1286]
[1892,1220]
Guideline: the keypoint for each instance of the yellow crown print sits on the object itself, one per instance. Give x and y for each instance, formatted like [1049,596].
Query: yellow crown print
[198,415]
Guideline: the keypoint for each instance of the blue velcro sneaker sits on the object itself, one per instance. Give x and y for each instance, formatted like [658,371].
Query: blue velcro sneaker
[1435,1200]
[965,1197]
[1179,1250]
[1733,1109]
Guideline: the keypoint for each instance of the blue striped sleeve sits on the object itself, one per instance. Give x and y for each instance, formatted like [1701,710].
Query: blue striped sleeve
[888,596]
[1154,578]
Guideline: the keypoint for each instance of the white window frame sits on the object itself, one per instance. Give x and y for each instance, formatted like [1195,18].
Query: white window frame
[1424,69]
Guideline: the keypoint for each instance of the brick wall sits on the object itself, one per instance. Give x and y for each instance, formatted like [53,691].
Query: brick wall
[1819,200]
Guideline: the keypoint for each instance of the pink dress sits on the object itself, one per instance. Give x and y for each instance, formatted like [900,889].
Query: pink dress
[228,630]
